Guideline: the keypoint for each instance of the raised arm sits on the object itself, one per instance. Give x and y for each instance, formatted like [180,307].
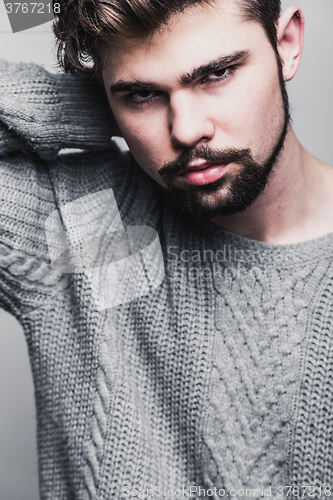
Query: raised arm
[44,112]
[40,114]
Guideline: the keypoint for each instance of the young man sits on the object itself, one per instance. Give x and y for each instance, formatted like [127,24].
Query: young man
[215,381]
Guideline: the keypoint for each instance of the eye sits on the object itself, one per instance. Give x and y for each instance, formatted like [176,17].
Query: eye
[220,74]
[141,97]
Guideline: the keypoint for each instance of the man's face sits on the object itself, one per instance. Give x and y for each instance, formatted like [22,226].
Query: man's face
[200,106]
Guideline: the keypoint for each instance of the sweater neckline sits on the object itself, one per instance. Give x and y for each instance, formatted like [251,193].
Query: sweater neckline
[269,253]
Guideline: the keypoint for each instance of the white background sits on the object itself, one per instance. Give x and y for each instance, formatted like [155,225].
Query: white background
[312,105]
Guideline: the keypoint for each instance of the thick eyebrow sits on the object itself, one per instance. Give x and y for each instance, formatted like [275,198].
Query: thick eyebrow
[132,86]
[212,66]
[138,86]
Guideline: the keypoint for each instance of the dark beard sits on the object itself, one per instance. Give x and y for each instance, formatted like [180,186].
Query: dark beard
[243,188]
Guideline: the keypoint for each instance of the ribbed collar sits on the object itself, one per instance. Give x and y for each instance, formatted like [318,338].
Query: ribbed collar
[266,254]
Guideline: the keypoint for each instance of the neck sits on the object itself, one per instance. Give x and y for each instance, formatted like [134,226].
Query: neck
[296,204]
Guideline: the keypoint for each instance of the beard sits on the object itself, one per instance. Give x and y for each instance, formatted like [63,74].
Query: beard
[232,193]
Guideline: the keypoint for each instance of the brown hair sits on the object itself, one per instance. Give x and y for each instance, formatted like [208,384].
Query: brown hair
[83,27]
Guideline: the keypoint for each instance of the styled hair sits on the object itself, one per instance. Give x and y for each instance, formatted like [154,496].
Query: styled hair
[83,27]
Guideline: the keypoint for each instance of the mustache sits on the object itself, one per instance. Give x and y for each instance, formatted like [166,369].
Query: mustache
[181,164]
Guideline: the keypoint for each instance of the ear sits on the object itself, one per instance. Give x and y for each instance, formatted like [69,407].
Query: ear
[290,33]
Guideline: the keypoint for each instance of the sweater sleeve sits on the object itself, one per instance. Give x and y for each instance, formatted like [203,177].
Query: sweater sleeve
[40,114]
[44,112]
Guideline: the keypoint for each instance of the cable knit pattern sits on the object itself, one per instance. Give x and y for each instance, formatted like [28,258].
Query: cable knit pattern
[219,378]
[312,453]
[255,370]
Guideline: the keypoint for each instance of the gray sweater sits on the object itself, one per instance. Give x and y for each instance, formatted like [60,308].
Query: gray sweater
[220,378]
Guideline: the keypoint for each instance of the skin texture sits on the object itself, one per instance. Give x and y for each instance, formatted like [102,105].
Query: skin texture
[240,108]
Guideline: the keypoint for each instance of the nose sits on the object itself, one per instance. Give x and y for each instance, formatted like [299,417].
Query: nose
[190,123]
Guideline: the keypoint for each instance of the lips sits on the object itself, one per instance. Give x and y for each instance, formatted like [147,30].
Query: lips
[200,164]
[202,172]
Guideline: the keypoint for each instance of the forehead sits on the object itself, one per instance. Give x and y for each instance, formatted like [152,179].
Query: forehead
[191,38]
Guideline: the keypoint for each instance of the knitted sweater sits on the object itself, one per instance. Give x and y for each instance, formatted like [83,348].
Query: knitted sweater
[220,378]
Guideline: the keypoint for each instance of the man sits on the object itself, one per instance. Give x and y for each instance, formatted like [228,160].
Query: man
[195,111]
[217,381]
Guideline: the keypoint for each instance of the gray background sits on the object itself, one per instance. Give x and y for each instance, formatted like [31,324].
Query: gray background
[312,104]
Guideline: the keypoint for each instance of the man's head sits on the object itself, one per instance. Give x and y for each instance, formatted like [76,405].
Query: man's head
[84,27]
[200,95]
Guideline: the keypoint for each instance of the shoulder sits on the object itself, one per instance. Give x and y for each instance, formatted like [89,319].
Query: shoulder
[76,175]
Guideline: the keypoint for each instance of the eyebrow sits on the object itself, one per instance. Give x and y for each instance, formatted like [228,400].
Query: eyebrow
[212,66]
[132,86]
[187,78]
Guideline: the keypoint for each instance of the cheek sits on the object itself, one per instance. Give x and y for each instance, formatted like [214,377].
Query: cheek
[146,136]
[265,115]
[253,116]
